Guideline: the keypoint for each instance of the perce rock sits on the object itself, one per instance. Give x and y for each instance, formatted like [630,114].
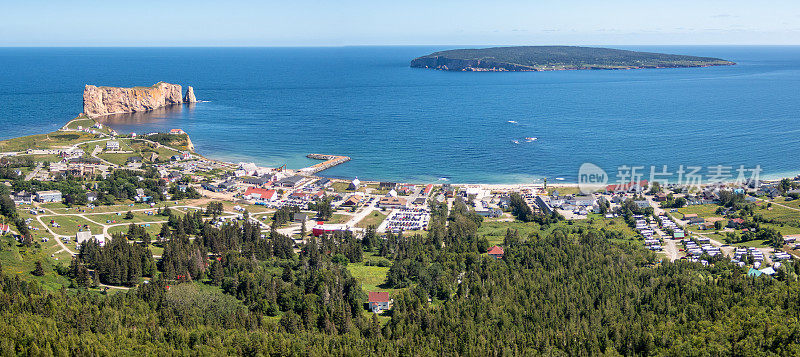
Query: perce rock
[98,101]
[189,97]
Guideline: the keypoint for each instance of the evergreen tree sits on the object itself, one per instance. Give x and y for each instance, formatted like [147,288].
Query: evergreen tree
[38,270]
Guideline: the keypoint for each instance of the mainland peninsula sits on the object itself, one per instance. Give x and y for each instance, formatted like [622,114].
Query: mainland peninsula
[555,58]
[99,101]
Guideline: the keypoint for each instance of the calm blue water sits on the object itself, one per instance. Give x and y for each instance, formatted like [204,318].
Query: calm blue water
[275,105]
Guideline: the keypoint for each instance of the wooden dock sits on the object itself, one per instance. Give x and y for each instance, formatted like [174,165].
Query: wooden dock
[330,161]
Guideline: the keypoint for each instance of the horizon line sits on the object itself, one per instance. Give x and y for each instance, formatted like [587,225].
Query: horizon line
[393,45]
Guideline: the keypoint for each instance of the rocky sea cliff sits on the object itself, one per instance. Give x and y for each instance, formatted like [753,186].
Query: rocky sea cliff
[99,101]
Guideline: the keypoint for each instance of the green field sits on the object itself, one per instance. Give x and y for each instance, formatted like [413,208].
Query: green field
[20,261]
[153,230]
[792,203]
[116,159]
[564,190]
[780,214]
[83,123]
[45,141]
[753,243]
[703,211]
[69,225]
[495,232]
[339,218]
[375,218]
[370,277]
[119,217]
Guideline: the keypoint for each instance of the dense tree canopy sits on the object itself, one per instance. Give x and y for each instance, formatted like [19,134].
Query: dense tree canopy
[565,291]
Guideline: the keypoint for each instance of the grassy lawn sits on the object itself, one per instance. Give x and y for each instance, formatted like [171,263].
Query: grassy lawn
[118,159]
[119,217]
[339,218]
[375,218]
[341,187]
[564,190]
[265,217]
[704,211]
[156,250]
[753,243]
[69,225]
[228,206]
[154,229]
[495,232]
[145,148]
[370,277]
[792,203]
[34,224]
[45,141]
[20,261]
[780,214]
[82,123]
[123,207]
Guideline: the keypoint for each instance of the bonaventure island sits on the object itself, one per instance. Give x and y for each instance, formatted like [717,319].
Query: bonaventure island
[152,244]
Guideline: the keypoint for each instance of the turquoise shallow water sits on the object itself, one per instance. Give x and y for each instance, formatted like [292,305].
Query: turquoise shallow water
[275,105]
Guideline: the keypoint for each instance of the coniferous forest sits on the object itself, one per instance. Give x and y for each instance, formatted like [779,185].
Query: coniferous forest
[229,290]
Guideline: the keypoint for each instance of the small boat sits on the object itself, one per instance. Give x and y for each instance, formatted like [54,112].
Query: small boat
[531,139]
[512,122]
[515,141]
[560,178]
[443,179]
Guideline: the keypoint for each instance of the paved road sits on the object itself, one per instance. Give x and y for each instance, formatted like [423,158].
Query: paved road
[361,214]
[35,171]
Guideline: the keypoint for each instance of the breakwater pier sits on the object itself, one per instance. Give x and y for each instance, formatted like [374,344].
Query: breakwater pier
[330,161]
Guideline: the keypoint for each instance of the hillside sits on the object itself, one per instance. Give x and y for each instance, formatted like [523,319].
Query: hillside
[553,58]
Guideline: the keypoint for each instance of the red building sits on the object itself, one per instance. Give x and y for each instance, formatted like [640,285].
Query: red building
[324,229]
[259,194]
[379,301]
[496,252]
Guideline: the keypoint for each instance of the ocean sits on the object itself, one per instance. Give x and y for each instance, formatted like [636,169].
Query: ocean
[273,106]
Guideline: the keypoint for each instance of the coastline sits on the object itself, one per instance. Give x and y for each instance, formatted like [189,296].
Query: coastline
[534,182]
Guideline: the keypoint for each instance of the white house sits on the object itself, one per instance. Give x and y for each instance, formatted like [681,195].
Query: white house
[379,301]
[48,196]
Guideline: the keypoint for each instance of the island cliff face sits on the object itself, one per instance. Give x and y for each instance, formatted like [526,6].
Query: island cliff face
[99,101]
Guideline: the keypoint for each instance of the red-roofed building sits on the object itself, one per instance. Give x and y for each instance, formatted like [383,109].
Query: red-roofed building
[298,194]
[627,187]
[4,228]
[496,252]
[176,131]
[379,301]
[321,228]
[428,189]
[259,194]
[735,223]
[318,195]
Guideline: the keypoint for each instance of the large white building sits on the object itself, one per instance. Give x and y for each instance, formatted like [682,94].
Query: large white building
[48,196]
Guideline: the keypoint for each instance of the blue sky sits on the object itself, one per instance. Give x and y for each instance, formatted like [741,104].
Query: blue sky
[403,22]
